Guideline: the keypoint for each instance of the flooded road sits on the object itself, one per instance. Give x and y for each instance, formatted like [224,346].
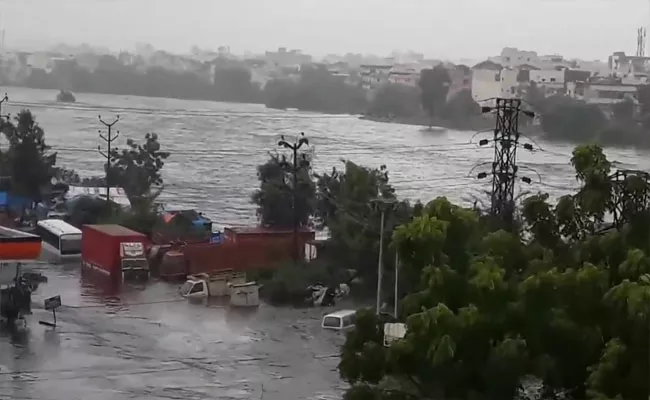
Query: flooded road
[147,343]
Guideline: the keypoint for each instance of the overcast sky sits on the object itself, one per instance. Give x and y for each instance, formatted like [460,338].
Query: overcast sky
[449,29]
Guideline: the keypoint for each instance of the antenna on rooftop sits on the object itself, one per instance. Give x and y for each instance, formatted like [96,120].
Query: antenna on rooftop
[640,42]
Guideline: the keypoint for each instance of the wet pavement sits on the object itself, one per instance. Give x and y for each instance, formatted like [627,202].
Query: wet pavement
[147,343]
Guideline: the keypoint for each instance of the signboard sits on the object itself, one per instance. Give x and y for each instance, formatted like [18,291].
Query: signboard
[53,303]
[393,332]
[131,249]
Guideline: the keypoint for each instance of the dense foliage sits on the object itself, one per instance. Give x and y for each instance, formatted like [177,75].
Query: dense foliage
[315,89]
[225,83]
[348,202]
[27,160]
[29,171]
[277,198]
[561,309]
[395,101]
[434,86]
[566,119]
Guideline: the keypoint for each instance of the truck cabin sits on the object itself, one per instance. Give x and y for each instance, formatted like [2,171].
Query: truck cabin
[216,284]
[134,261]
[192,288]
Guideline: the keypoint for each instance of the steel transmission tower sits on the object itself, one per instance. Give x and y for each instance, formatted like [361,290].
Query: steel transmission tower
[504,164]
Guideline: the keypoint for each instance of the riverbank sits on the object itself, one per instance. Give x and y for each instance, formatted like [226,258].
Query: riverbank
[476,123]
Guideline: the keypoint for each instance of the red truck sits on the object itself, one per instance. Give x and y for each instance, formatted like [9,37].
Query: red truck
[115,251]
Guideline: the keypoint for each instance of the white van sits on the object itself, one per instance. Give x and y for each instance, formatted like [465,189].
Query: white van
[339,320]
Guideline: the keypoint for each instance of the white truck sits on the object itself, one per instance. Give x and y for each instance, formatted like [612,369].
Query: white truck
[211,285]
[244,294]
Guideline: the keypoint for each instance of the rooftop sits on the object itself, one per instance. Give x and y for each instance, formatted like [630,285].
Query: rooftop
[259,230]
[114,230]
[9,235]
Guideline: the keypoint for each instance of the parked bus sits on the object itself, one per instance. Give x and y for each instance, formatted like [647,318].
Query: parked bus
[59,238]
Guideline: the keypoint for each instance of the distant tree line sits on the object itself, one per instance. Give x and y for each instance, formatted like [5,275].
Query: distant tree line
[228,83]
[562,118]
[315,89]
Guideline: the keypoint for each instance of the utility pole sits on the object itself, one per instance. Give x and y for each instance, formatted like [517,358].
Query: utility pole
[504,165]
[396,282]
[2,101]
[295,168]
[382,203]
[109,139]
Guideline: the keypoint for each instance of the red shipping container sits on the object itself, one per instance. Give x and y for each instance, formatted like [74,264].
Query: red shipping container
[100,247]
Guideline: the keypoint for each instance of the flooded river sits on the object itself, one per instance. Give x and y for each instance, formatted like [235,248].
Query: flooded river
[149,344]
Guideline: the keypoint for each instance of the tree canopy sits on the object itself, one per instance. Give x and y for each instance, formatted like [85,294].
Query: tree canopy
[217,80]
[347,201]
[559,310]
[275,197]
[28,167]
[434,86]
[27,160]
[315,89]
[138,169]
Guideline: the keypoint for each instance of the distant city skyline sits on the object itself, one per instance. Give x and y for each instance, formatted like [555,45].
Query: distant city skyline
[585,29]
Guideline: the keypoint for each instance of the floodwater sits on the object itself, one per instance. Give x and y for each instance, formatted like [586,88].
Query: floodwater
[216,147]
[151,344]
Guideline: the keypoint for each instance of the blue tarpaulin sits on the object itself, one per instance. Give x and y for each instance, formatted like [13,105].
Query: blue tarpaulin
[216,237]
[199,222]
[15,203]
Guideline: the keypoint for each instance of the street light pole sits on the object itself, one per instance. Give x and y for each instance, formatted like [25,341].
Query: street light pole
[380,262]
[396,282]
[295,168]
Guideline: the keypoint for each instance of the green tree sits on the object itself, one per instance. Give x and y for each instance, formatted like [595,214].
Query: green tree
[348,205]
[563,305]
[566,119]
[27,160]
[138,170]
[434,85]
[315,89]
[395,101]
[461,106]
[275,196]
[623,111]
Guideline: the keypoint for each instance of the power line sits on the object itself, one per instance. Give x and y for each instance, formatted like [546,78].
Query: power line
[361,150]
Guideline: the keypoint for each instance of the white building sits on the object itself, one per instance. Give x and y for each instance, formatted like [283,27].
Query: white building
[407,77]
[513,57]
[490,80]
[603,92]
[374,76]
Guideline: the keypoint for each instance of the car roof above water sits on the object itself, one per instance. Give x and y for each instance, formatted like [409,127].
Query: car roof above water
[341,313]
